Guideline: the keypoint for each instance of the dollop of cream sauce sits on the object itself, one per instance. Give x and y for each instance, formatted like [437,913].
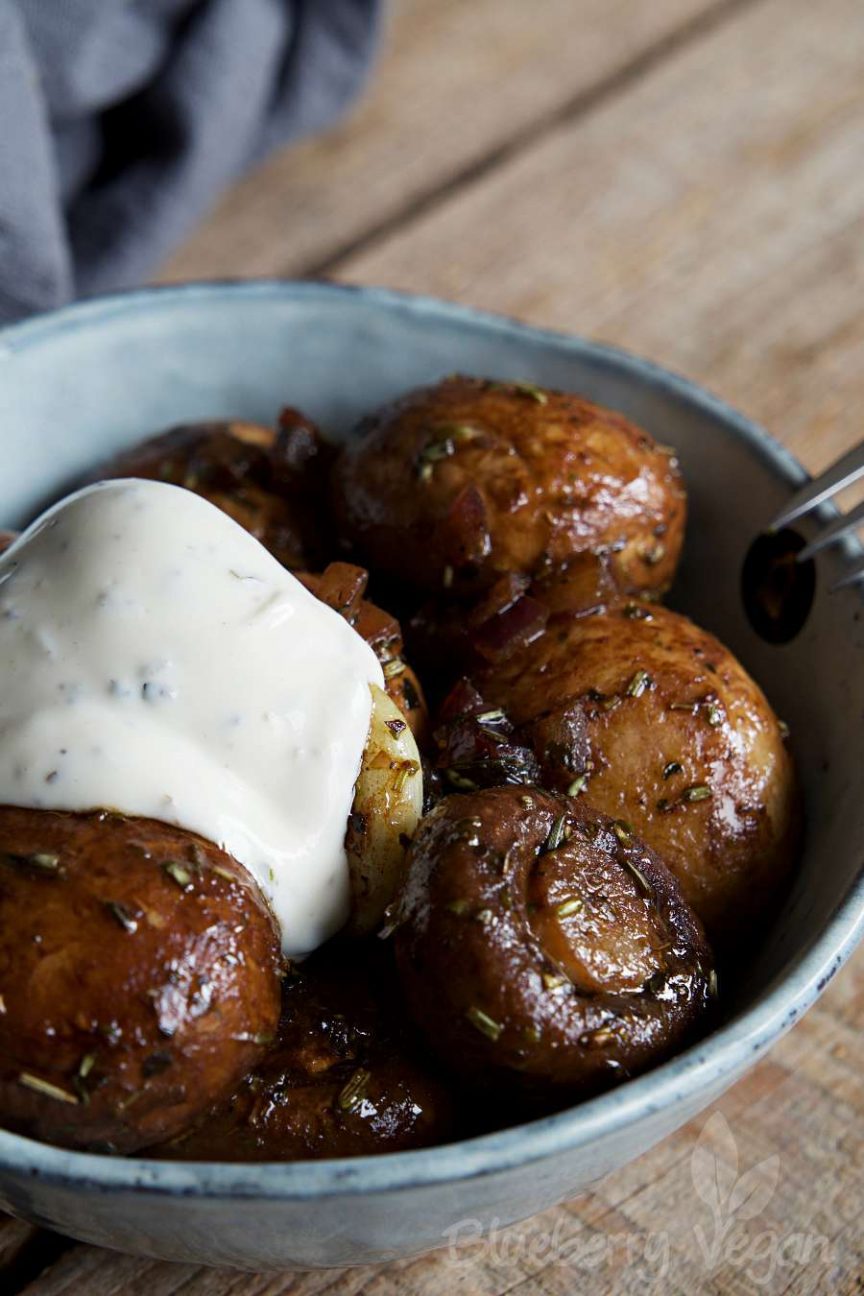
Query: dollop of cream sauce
[156,660]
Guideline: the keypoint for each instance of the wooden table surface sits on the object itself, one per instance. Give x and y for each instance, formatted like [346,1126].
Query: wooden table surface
[684,178]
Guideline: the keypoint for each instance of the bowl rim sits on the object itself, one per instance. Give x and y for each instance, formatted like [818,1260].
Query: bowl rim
[707,1066]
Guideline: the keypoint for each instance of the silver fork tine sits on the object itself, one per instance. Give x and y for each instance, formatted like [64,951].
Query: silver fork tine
[834,479]
[839,527]
[849,579]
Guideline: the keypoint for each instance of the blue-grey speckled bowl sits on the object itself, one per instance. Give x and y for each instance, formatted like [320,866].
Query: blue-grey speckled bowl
[85,381]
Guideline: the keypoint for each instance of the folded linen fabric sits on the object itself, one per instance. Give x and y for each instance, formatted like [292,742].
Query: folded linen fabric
[122,120]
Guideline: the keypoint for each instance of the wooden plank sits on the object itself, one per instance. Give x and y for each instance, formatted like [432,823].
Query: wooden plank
[710,216]
[456,82]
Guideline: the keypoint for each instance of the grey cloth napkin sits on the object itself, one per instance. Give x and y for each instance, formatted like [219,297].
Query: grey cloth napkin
[122,120]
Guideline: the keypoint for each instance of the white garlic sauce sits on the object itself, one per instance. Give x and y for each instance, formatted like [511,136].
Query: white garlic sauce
[156,660]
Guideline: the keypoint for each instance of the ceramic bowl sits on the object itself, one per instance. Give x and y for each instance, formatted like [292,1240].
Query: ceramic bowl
[83,382]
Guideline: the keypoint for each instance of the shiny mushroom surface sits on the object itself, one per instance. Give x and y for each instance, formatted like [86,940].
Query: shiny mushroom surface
[654,721]
[139,977]
[454,485]
[543,948]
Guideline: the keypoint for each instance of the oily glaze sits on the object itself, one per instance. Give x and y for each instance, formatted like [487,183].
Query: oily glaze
[342,1079]
[449,639]
[652,720]
[139,974]
[453,485]
[270,480]
[543,948]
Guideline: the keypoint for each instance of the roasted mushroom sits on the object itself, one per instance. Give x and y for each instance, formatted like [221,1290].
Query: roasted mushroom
[341,1081]
[273,481]
[544,950]
[139,977]
[655,722]
[455,485]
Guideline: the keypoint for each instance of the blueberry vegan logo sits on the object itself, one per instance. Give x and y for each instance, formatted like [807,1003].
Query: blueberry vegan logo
[732,1239]
[731,1197]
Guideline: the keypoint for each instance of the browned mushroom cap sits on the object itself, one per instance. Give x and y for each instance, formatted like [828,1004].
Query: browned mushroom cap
[139,977]
[341,1080]
[342,586]
[543,948]
[454,485]
[273,481]
[652,719]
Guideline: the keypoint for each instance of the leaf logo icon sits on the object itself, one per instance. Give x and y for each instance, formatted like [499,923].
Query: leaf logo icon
[730,1197]
[754,1189]
[714,1164]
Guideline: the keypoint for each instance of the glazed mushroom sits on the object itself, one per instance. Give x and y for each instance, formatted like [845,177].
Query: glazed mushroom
[341,1080]
[655,722]
[544,950]
[454,485]
[270,480]
[139,977]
